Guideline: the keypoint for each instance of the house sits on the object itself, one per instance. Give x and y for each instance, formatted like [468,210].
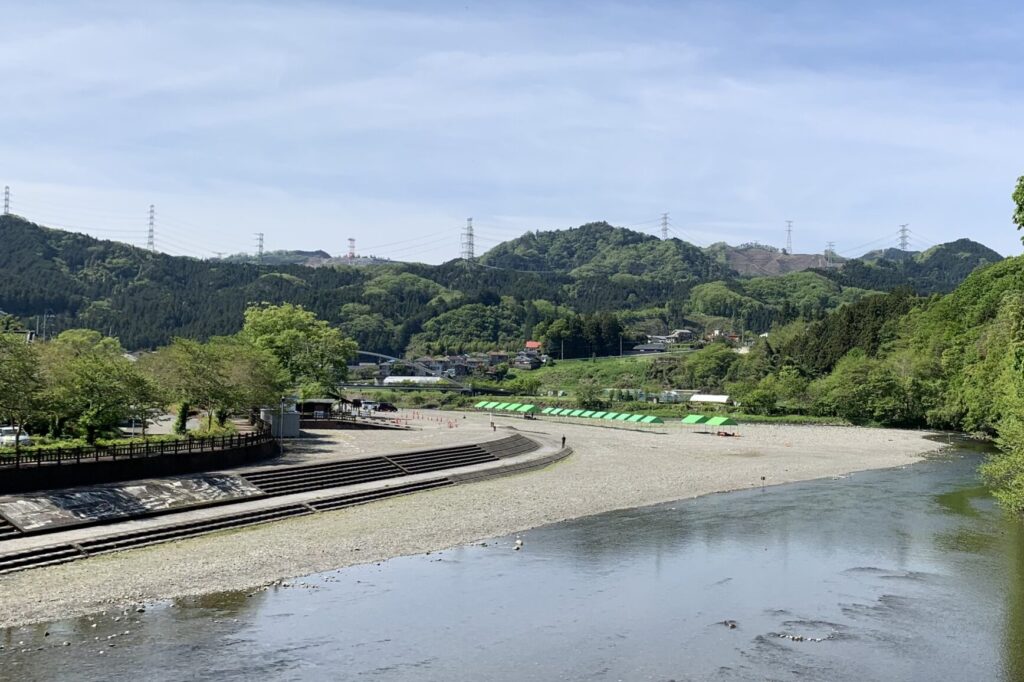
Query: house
[535,346]
[645,348]
[710,398]
[675,336]
[26,334]
[496,358]
[527,361]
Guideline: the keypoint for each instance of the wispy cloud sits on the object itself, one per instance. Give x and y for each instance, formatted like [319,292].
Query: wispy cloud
[338,119]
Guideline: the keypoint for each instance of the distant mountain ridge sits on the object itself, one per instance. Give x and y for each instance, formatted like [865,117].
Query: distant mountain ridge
[146,298]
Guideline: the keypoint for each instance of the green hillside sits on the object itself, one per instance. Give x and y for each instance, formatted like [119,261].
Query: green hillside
[517,290]
[938,270]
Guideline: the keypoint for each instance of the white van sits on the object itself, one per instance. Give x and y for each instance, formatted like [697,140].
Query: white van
[9,435]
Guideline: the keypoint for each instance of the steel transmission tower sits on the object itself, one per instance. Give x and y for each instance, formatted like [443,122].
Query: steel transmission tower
[151,233]
[467,240]
[789,237]
[259,247]
[830,251]
[7,200]
[904,237]
[351,248]
[664,226]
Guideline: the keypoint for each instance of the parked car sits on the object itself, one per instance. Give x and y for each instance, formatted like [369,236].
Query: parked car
[9,435]
[386,407]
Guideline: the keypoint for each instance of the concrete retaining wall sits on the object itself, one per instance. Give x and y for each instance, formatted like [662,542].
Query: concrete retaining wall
[50,475]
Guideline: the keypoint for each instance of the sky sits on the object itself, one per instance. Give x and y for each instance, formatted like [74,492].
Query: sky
[392,122]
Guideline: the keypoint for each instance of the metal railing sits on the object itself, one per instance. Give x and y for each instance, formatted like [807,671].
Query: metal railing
[96,453]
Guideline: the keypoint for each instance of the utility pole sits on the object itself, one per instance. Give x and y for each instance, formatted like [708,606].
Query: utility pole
[789,237]
[151,234]
[259,247]
[664,226]
[7,200]
[904,237]
[219,254]
[467,240]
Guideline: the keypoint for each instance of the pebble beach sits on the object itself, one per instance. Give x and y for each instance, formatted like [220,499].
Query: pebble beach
[609,469]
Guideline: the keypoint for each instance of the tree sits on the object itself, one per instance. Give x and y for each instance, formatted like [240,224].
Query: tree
[252,375]
[588,394]
[21,383]
[1018,200]
[308,349]
[92,385]
[193,373]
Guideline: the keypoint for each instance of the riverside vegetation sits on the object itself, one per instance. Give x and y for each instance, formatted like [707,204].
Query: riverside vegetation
[943,349]
[82,385]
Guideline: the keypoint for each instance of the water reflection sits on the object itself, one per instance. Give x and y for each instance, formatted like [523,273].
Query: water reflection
[905,574]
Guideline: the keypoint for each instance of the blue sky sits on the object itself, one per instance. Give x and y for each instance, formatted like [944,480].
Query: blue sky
[392,122]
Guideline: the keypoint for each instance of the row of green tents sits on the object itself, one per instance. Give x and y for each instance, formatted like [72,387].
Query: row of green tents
[569,412]
[608,416]
[521,408]
[526,408]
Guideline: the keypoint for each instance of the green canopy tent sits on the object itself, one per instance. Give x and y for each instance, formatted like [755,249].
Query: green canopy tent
[588,414]
[527,409]
[721,421]
[623,417]
[636,418]
[501,406]
[651,419]
[598,415]
[491,405]
[548,410]
[480,404]
[610,415]
[576,413]
[694,419]
[561,411]
[512,407]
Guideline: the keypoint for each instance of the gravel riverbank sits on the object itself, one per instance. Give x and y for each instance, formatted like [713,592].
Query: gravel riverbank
[610,469]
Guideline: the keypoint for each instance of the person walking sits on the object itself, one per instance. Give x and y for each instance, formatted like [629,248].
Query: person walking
[563,441]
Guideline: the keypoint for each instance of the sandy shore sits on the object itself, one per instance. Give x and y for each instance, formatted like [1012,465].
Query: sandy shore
[610,469]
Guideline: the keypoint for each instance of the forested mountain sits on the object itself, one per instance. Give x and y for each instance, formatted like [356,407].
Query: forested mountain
[938,270]
[59,280]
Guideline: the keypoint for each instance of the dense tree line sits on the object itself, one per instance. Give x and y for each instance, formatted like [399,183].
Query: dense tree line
[83,384]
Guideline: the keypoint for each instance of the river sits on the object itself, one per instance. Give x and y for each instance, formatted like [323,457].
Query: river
[904,574]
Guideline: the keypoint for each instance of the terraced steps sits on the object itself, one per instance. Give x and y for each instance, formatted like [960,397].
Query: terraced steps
[40,556]
[284,481]
[7,531]
[510,447]
[444,458]
[287,480]
[180,531]
[352,499]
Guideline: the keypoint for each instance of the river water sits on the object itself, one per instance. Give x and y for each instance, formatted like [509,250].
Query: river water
[904,574]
